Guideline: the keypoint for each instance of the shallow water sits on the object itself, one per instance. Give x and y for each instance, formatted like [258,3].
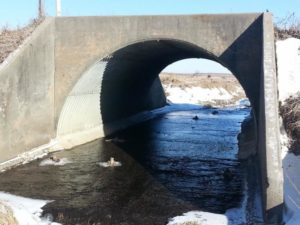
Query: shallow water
[170,165]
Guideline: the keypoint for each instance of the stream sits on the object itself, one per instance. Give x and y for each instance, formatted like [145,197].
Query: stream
[177,162]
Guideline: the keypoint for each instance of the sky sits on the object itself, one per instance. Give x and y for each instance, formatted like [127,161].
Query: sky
[15,13]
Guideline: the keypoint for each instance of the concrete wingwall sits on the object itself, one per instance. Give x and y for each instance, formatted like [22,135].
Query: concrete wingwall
[80,78]
[27,95]
[269,140]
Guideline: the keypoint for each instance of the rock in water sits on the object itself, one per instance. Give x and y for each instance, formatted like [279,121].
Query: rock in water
[54,158]
[195,118]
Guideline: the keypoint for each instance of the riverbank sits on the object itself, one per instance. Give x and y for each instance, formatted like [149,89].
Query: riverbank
[215,90]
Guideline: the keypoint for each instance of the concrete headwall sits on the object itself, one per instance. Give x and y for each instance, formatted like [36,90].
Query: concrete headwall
[27,94]
[269,140]
[76,77]
[136,49]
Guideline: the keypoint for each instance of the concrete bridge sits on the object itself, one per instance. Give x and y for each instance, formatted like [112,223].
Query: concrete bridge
[76,78]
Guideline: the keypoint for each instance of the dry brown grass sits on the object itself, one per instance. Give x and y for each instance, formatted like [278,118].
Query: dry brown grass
[11,39]
[226,81]
[281,34]
[290,112]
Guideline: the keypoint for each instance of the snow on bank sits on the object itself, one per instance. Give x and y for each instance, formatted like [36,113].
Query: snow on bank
[288,63]
[233,216]
[194,95]
[291,168]
[26,211]
[201,218]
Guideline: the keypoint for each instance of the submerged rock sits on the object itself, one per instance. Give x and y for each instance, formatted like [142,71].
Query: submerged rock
[54,158]
[228,174]
[195,118]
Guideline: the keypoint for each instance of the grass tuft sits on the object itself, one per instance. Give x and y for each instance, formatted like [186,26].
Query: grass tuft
[290,112]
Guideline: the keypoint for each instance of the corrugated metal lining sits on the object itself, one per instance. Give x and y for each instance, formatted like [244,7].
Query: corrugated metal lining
[81,110]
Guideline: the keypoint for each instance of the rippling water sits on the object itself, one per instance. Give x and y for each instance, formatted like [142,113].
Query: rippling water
[172,164]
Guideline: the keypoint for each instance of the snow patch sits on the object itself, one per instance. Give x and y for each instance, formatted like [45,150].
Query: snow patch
[201,218]
[194,95]
[234,216]
[291,168]
[288,64]
[26,211]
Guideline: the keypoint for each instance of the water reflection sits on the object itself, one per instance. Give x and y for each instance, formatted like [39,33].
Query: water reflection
[170,165]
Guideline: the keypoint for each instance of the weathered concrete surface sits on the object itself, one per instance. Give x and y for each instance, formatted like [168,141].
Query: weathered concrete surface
[27,95]
[269,144]
[115,61]
[229,39]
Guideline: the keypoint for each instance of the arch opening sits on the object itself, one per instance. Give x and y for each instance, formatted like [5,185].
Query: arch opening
[132,74]
[202,82]
[123,85]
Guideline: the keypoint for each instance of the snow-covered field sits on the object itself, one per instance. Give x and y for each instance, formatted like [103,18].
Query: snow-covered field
[194,95]
[288,63]
[217,90]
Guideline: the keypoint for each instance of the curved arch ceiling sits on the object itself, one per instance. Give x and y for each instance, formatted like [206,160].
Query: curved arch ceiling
[126,83]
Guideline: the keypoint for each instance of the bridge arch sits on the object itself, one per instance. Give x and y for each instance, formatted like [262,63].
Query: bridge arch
[243,43]
[39,95]
[124,83]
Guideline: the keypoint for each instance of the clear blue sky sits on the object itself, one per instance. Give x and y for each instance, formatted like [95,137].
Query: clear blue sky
[18,12]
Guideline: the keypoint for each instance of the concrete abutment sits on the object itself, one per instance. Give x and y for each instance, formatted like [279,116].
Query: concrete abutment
[75,77]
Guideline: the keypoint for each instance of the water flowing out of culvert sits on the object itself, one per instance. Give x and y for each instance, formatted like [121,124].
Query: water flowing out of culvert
[183,158]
